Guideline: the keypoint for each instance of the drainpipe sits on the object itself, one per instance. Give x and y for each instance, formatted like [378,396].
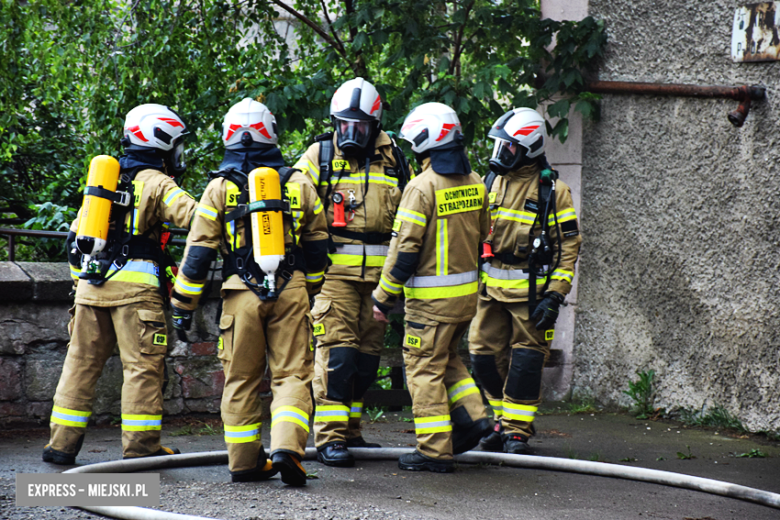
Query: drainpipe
[744,94]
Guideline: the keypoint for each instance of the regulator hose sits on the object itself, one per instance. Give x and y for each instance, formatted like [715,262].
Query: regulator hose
[601,469]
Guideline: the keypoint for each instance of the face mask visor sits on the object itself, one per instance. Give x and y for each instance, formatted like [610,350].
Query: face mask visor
[353,135]
[177,157]
[506,157]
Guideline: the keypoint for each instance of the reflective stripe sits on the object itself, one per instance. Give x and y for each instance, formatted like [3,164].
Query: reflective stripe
[308,166]
[520,412]
[207,211]
[411,216]
[317,206]
[141,423]
[562,274]
[352,255]
[290,414]
[442,255]
[231,231]
[74,273]
[242,434]
[135,222]
[461,389]
[331,413]
[391,287]
[67,417]
[194,288]
[497,406]
[136,271]
[563,216]
[525,217]
[173,195]
[315,277]
[508,274]
[440,281]
[359,178]
[435,424]
[356,410]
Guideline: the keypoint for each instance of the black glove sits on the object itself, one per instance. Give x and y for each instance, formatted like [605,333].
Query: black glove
[182,321]
[547,311]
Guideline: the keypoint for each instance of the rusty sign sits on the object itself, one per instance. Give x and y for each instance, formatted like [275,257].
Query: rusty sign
[755,36]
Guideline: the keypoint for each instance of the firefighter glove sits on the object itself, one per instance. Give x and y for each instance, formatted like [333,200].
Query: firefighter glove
[182,321]
[547,311]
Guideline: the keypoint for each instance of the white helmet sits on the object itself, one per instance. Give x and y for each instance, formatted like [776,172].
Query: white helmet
[430,126]
[249,122]
[355,111]
[157,127]
[520,134]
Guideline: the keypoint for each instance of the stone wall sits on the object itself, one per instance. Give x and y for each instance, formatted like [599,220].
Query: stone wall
[681,221]
[34,304]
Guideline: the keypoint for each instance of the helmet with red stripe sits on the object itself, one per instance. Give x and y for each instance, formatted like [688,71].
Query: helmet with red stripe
[356,113]
[157,127]
[249,122]
[520,135]
[431,126]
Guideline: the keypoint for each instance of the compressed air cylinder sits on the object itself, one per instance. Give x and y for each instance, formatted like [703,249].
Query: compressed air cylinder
[95,211]
[267,226]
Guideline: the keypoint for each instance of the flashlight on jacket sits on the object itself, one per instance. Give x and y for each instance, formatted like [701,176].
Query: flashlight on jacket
[338,210]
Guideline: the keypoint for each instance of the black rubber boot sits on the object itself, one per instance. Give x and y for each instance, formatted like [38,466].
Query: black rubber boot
[289,465]
[493,441]
[418,462]
[335,454]
[58,457]
[163,451]
[468,437]
[516,444]
[360,442]
[263,471]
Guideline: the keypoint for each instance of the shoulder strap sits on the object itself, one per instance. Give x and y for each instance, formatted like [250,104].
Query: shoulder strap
[327,152]
[401,164]
[490,178]
[285,172]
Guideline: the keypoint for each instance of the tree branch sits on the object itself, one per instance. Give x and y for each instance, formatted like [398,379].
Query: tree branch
[316,28]
[330,26]
[455,63]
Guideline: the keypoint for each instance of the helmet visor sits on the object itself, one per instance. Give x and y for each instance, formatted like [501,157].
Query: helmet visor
[354,134]
[177,156]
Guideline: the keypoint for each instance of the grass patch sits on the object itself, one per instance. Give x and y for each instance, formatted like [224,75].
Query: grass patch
[587,405]
[199,428]
[642,392]
[755,453]
[715,417]
[686,456]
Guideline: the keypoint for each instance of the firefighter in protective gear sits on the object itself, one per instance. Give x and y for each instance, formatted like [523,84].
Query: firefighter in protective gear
[525,280]
[359,173]
[440,222]
[123,303]
[257,330]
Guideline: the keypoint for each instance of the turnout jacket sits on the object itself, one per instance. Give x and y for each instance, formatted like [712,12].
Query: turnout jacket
[304,228]
[359,256]
[159,201]
[514,205]
[433,256]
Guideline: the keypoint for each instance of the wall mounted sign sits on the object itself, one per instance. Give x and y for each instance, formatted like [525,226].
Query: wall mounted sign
[755,35]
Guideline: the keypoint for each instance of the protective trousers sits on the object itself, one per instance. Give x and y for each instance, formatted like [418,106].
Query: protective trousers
[443,393]
[256,334]
[349,342]
[507,358]
[139,330]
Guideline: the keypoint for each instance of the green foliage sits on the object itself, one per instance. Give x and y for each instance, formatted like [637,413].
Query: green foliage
[686,456]
[628,459]
[587,405]
[752,454]
[195,429]
[376,413]
[715,417]
[642,392]
[72,70]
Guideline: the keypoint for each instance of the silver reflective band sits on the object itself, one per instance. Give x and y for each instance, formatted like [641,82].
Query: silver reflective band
[507,274]
[357,250]
[443,280]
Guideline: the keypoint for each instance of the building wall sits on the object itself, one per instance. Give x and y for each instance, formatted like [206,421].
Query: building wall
[681,221]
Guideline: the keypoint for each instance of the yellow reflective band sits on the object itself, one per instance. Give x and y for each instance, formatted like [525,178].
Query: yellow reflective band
[136,272]
[460,199]
[319,329]
[562,274]
[317,206]
[230,227]
[221,344]
[461,390]
[498,407]
[349,260]
[207,211]
[132,417]
[293,192]
[290,414]
[141,423]
[411,216]
[68,417]
[436,424]
[173,195]
[563,216]
[524,217]
[433,293]
[74,273]
[442,245]
[242,434]
[231,194]
[375,261]
[519,412]
[331,413]
[412,341]
[391,287]
[549,335]
[307,166]
[188,288]
[315,277]
[356,411]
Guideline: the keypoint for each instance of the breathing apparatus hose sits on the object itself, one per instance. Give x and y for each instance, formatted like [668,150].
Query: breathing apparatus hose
[602,469]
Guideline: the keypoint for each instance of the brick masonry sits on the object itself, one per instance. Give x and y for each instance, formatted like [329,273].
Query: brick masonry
[34,338]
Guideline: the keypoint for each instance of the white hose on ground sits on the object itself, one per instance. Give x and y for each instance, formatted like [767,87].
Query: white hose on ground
[602,469]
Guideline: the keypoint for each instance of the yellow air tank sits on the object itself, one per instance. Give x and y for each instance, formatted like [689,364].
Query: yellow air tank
[95,211]
[267,226]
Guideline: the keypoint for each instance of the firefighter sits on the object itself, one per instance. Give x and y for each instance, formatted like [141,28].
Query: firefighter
[433,256]
[265,318]
[360,173]
[528,270]
[120,293]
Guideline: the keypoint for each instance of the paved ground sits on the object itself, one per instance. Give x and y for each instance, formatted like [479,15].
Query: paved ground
[378,490]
